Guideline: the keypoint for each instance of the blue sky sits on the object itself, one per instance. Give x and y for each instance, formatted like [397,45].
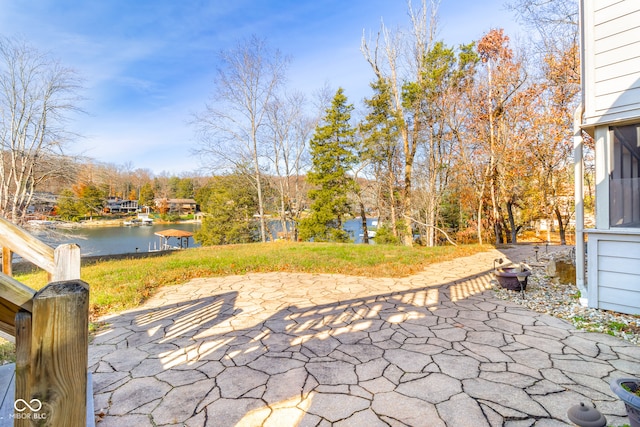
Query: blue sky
[148,65]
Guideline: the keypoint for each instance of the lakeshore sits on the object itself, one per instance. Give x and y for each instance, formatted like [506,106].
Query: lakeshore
[105,238]
[93,223]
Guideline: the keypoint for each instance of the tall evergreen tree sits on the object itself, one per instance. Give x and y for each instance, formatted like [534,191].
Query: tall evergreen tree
[382,148]
[333,153]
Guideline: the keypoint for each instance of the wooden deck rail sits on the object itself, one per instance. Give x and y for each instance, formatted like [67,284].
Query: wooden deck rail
[62,263]
[51,331]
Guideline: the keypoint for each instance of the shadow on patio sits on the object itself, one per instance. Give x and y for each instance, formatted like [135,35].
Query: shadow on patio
[271,363]
[250,356]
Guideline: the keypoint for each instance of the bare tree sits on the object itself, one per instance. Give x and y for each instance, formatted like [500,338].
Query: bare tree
[36,93]
[555,21]
[504,78]
[396,59]
[231,127]
[289,129]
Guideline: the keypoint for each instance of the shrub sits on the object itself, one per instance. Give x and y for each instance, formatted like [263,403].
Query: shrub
[384,236]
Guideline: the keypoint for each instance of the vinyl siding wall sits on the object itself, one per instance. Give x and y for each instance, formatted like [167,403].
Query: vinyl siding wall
[614,265]
[611,82]
[612,60]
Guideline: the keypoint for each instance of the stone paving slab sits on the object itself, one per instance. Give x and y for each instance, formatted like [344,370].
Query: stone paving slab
[283,349]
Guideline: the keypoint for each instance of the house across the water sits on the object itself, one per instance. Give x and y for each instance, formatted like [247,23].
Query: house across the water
[118,205]
[177,206]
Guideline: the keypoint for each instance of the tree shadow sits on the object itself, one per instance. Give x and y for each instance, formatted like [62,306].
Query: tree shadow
[238,356]
[270,353]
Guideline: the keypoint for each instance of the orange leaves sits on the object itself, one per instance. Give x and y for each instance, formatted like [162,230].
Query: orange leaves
[563,66]
[79,190]
[494,46]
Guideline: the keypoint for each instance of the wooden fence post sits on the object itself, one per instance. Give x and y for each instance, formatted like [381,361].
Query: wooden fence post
[23,362]
[59,346]
[66,259]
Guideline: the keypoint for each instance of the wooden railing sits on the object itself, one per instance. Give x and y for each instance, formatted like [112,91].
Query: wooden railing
[50,327]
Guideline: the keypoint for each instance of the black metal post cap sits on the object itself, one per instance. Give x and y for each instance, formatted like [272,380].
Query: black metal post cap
[584,416]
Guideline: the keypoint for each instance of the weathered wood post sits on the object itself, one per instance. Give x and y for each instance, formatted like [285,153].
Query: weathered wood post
[66,259]
[51,330]
[23,363]
[59,346]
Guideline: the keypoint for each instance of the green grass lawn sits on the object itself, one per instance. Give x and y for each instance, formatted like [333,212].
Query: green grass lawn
[123,284]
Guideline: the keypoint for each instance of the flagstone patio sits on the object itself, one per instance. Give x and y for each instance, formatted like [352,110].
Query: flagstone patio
[283,349]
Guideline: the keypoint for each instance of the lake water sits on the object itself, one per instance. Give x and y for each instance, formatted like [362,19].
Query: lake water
[115,240]
[122,240]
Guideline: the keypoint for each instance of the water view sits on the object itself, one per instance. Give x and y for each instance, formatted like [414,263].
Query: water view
[115,240]
[95,241]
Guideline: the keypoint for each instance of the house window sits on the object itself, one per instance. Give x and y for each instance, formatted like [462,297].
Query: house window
[624,183]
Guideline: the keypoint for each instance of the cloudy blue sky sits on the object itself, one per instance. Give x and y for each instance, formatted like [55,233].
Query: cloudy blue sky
[148,65]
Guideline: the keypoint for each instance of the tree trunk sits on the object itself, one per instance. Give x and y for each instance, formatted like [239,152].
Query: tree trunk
[561,227]
[407,235]
[431,220]
[479,224]
[365,230]
[480,204]
[492,162]
[283,221]
[283,211]
[497,228]
[410,145]
[392,207]
[512,223]
[263,225]
[258,175]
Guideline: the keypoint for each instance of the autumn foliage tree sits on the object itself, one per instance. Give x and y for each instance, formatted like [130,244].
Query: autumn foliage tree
[554,46]
[552,144]
[504,77]
[147,195]
[82,200]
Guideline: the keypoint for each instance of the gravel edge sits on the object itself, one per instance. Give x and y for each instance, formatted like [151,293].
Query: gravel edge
[545,295]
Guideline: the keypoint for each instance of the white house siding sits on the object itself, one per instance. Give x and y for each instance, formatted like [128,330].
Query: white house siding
[612,60]
[614,265]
